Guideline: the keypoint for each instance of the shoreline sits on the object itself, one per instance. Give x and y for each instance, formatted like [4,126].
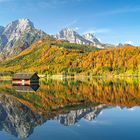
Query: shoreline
[61,77]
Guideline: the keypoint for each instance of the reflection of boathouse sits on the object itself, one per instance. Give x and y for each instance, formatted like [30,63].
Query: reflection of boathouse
[25,78]
[31,88]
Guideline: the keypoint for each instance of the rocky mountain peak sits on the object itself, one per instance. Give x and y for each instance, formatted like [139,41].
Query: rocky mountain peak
[19,26]
[67,29]
[91,37]
[17,36]
[66,34]
[23,23]
[73,37]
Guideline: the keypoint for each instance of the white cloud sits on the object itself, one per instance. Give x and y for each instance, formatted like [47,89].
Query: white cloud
[76,28]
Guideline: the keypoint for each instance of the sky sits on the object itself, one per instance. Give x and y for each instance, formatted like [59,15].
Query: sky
[112,21]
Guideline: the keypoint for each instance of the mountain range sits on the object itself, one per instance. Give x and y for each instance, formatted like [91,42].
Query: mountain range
[20,34]
[73,37]
[66,53]
[68,34]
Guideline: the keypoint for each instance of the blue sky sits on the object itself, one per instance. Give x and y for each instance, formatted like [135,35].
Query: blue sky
[112,21]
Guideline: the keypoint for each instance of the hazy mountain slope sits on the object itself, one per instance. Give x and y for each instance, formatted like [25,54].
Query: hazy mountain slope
[49,56]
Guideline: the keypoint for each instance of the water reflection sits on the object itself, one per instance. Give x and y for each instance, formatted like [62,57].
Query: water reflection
[73,116]
[30,88]
[19,120]
[16,118]
[66,101]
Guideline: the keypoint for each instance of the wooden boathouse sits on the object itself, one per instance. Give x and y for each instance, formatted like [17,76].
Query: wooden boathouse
[25,78]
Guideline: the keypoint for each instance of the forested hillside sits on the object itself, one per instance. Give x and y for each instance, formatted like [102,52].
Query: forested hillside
[49,56]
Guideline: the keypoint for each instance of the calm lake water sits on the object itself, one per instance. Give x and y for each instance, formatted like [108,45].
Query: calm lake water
[86,109]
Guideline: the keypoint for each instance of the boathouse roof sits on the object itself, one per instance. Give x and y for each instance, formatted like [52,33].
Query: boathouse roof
[25,76]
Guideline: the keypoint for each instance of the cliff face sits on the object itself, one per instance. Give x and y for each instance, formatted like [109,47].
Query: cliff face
[17,36]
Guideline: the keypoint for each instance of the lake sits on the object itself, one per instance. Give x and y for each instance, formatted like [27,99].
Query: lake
[84,109]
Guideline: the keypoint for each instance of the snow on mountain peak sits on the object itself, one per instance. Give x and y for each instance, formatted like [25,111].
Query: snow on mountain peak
[19,25]
[73,37]
[23,23]
[20,33]
[92,38]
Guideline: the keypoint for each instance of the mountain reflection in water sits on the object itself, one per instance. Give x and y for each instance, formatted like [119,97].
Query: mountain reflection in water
[66,101]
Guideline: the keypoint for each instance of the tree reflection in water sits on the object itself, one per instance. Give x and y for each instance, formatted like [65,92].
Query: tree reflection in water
[66,101]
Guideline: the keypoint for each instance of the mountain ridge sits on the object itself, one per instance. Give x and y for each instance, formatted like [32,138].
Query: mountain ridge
[21,34]
[74,37]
